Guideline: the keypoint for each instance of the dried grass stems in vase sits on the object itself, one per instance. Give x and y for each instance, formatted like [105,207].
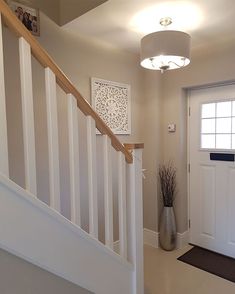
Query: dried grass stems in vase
[167,179]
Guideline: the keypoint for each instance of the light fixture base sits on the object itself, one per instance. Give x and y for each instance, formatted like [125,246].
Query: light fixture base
[165,21]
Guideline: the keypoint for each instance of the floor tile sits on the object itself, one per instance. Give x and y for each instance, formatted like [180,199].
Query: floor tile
[164,274]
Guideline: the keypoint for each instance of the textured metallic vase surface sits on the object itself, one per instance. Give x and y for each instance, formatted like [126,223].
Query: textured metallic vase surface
[168,229]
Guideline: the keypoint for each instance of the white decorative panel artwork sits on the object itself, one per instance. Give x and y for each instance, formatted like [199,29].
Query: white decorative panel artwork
[111,101]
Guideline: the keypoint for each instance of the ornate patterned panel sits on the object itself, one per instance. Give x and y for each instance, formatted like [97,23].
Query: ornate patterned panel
[111,101]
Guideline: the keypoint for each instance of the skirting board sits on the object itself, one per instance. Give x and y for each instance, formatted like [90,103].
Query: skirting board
[182,240]
[151,238]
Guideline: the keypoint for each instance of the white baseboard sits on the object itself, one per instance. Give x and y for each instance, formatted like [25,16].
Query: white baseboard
[151,238]
[182,240]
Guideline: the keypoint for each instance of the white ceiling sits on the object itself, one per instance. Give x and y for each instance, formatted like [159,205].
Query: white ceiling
[123,23]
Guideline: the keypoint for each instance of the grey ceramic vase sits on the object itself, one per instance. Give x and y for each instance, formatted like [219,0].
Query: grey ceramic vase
[167,229]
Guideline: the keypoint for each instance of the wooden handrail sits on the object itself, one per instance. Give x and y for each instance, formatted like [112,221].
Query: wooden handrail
[132,146]
[46,61]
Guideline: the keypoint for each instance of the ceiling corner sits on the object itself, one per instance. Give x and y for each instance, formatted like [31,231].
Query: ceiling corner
[72,9]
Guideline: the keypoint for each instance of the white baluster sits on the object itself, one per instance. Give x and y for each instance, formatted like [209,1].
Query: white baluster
[92,177]
[135,219]
[74,160]
[108,192]
[27,116]
[53,141]
[4,168]
[122,204]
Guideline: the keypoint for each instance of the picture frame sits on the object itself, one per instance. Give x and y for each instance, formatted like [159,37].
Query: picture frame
[112,101]
[29,16]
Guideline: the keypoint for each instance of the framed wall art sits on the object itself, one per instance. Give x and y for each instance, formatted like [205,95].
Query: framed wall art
[27,15]
[111,100]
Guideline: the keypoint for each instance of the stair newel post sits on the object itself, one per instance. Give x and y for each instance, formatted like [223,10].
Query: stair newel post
[4,169]
[135,216]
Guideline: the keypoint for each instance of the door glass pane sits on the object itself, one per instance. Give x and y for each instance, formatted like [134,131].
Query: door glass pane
[208,126]
[218,119]
[233,141]
[223,125]
[208,141]
[208,110]
[223,141]
[233,108]
[233,125]
[224,109]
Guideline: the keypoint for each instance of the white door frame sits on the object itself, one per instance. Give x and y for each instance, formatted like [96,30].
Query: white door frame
[206,86]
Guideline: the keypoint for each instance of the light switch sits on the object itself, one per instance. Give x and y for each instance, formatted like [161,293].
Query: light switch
[171,128]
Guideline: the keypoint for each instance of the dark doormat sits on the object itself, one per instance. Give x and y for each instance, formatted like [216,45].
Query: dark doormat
[210,262]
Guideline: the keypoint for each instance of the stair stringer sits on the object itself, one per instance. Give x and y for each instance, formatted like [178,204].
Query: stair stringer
[35,232]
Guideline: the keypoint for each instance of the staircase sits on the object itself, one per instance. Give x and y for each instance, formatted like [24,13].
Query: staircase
[38,232]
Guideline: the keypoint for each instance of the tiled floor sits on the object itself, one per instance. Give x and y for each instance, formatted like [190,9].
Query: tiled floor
[164,274]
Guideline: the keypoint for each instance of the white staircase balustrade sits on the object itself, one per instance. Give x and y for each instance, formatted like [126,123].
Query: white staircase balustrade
[38,232]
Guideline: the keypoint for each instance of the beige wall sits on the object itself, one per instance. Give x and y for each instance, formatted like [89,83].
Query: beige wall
[151,130]
[19,276]
[213,65]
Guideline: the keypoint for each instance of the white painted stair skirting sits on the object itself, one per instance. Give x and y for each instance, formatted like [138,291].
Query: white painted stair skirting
[67,251]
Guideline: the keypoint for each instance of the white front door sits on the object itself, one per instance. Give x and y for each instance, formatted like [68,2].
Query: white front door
[212,182]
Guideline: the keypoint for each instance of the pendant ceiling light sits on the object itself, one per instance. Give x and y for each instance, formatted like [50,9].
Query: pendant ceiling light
[165,50]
